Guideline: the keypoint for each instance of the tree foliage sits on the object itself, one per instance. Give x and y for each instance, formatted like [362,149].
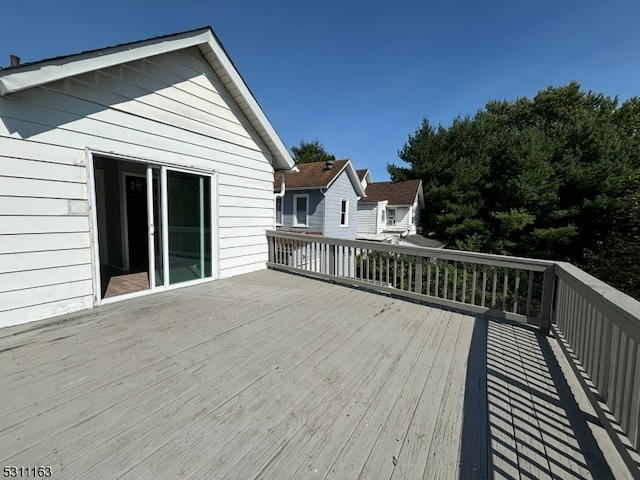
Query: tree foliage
[554,177]
[309,152]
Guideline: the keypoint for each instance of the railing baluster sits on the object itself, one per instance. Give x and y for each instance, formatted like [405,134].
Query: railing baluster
[630,362]
[529,293]
[505,289]
[495,286]
[395,270]
[402,272]
[410,268]
[516,292]
[455,279]
[437,282]
[484,284]
[429,277]
[387,278]
[474,283]
[464,282]
[446,279]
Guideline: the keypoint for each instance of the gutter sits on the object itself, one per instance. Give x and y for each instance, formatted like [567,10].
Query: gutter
[283,183]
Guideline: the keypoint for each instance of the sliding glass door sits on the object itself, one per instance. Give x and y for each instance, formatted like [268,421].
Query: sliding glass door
[188,225]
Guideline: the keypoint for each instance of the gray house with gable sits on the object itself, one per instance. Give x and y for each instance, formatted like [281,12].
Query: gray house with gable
[321,199]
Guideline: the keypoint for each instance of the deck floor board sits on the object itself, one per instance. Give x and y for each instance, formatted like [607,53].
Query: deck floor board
[272,375]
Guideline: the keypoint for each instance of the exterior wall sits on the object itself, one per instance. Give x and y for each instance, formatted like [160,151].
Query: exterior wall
[403,220]
[169,109]
[316,211]
[339,189]
[367,218]
[370,220]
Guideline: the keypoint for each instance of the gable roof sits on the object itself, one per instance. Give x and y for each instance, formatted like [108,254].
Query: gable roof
[29,75]
[395,193]
[362,173]
[318,175]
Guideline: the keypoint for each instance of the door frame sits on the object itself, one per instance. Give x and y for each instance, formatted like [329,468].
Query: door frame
[90,154]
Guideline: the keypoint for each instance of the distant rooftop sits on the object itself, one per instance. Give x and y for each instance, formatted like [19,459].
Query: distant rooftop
[396,193]
[312,175]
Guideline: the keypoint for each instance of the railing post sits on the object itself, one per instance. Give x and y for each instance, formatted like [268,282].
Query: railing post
[546,307]
[271,242]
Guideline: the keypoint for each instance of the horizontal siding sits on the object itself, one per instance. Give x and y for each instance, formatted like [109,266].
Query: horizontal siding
[251,262]
[41,242]
[254,249]
[14,225]
[241,241]
[232,271]
[28,187]
[41,152]
[42,170]
[366,218]
[42,277]
[172,110]
[42,206]
[25,261]
[340,188]
[44,302]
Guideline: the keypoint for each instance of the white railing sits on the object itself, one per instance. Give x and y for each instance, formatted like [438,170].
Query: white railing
[507,287]
[597,326]
[599,329]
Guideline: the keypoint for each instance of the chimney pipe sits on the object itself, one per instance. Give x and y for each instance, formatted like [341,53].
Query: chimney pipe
[15,60]
[329,164]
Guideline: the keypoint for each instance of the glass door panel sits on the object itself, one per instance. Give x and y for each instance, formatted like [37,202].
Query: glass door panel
[157,228]
[189,226]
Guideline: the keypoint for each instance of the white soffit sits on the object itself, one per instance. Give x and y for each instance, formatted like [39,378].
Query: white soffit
[29,75]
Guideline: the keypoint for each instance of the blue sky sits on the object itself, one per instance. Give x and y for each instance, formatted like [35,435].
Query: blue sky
[361,75]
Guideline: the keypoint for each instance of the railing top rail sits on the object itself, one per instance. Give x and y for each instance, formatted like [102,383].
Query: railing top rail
[611,302]
[459,255]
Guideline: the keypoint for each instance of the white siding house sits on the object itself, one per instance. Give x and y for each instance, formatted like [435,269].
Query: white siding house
[150,158]
[389,209]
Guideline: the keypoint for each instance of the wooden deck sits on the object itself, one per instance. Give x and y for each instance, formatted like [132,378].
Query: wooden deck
[275,376]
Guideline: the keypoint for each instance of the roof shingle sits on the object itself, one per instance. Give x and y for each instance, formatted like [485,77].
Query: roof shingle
[311,175]
[396,193]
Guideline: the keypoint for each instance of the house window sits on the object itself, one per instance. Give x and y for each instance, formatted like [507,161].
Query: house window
[391,216]
[279,211]
[300,210]
[344,212]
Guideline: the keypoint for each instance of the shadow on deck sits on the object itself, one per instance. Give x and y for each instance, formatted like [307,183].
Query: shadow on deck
[519,406]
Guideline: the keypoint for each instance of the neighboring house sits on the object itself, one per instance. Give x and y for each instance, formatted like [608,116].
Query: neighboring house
[322,199]
[390,210]
[148,161]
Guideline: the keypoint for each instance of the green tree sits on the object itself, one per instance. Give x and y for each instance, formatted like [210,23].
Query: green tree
[552,176]
[309,152]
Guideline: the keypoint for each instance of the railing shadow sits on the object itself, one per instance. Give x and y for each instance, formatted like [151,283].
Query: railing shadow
[521,419]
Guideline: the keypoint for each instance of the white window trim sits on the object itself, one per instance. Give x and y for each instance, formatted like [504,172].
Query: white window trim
[296,223]
[281,199]
[346,212]
[395,213]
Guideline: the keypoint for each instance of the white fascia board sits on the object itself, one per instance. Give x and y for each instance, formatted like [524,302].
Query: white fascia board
[39,73]
[32,75]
